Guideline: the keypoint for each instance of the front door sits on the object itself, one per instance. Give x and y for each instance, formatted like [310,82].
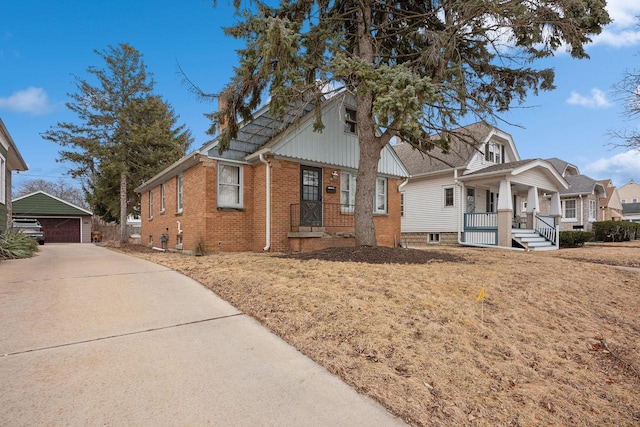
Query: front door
[471,200]
[310,196]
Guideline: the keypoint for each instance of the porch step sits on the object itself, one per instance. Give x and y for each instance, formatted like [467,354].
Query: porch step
[530,239]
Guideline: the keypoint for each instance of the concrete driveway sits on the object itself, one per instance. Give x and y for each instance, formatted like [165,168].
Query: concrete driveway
[89,336]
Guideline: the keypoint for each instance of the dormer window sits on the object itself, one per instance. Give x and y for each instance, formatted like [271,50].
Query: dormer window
[494,152]
[350,122]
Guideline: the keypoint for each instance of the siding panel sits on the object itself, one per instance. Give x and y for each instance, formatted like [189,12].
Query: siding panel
[423,204]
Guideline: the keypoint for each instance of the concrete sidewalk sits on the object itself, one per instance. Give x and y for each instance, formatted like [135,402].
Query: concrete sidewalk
[89,336]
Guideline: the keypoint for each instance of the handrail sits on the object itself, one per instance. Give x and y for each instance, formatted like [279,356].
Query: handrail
[550,232]
[333,215]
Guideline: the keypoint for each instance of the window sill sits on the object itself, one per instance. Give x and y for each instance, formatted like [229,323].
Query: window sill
[179,213]
[569,220]
[229,209]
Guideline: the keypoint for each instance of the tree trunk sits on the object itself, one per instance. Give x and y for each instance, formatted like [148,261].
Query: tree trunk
[365,229]
[368,142]
[123,207]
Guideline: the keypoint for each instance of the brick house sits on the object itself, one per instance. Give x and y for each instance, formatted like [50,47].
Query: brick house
[610,204]
[580,202]
[280,187]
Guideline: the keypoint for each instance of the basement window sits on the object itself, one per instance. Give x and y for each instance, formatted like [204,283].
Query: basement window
[434,237]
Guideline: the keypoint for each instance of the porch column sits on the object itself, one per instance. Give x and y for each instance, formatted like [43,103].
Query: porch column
[533,205]
[555,211]
[505,214]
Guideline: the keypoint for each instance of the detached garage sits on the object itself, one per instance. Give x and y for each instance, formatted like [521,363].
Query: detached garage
[62,221]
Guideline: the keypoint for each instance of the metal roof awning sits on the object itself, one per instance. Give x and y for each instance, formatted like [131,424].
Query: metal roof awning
[257,132]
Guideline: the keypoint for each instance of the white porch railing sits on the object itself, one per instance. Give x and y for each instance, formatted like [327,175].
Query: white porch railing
[546,227]
[480,228]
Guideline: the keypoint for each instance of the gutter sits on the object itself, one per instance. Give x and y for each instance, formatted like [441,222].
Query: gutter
[268,202]
[182,164]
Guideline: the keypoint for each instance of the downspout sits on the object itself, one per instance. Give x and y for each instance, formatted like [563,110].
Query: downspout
[581,211]
[395,241]
[458,207]
[268,203]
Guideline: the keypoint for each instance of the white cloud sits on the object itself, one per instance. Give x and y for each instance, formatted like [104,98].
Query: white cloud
[620,168]
[33,100]
[623,31]
[623,38]
[598,99]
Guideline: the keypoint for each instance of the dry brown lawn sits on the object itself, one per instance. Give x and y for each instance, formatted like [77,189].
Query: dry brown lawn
[556,340]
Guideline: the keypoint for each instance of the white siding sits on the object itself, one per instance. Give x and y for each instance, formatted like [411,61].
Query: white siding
[424,206]
[536,178]
[333,146]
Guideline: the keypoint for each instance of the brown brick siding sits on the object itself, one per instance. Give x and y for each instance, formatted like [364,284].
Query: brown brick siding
[202,222]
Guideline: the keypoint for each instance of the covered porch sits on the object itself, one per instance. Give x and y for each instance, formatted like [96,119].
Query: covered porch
[514,205]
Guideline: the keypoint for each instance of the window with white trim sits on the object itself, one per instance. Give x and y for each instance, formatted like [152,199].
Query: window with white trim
[592,210]
[3,180]
[347,191]
[434,237]
[150,204]
[380,205]
[623,200]
[350,120]
[569,211]
[494,152]
[229,186]
[162,205]
[179,193]
[448,197]
[634,200]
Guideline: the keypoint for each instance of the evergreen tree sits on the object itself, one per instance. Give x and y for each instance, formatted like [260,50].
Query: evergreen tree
[415,67]
[124,134]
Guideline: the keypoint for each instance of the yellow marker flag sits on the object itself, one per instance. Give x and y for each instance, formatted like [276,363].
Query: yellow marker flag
[480,295]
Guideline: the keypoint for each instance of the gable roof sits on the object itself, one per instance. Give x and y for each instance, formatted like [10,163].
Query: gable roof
[609,189]
[255,133]
[41,203]
[465,142]
[582,184]
[565,168]
[516,168]
[15,162]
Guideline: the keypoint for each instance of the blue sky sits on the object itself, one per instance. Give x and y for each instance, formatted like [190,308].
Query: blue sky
[44,44]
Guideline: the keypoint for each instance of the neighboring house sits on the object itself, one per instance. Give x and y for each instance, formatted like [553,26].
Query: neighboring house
[631,212]
[10,160]
[610,205]
[629,193]
[479,193]
[580,202]
[63,222]
[280,187]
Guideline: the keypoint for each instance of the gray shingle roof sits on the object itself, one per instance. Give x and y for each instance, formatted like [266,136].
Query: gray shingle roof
[465,142]
[561,166]
[502,167]
[630,208]
[579,184]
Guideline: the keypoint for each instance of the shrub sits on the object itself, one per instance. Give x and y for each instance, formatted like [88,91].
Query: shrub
[574,238]
[15,244]
[616,231]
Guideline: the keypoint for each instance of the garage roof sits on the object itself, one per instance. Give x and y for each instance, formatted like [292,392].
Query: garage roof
[41,203]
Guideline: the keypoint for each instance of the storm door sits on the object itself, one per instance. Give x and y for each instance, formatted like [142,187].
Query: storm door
[310,196]
[471,200]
